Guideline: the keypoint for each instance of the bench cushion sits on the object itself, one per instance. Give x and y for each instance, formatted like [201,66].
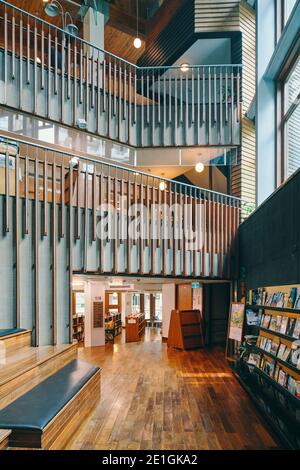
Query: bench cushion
[34,410]
[10,331]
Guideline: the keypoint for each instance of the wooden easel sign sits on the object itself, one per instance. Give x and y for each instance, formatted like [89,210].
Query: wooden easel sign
[235,323]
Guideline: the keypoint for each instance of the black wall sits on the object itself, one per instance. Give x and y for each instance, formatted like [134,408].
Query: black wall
[269,240]
[216,302]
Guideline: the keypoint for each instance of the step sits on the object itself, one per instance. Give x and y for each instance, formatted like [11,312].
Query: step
[47,416]
[4,438]
[14,338]
[21,370]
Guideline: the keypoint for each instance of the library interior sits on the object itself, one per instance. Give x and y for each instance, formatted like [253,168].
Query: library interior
[149,225]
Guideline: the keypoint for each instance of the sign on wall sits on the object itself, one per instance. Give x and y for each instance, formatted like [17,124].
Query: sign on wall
[98,314]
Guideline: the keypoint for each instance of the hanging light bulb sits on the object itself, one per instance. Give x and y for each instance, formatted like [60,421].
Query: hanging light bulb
[137,42]
[162,185]
[199,167]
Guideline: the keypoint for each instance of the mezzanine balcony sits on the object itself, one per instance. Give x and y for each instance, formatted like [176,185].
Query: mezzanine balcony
[56,76]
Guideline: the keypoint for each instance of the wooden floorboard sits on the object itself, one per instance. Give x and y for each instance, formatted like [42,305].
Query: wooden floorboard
[153,397]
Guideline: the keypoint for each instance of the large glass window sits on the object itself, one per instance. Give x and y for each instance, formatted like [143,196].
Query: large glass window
[291,121]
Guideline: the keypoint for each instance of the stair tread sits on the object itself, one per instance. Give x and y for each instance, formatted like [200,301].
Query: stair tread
[14,363]
[4,433]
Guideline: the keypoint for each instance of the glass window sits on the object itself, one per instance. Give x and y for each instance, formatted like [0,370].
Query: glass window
[288,8]
[292,121]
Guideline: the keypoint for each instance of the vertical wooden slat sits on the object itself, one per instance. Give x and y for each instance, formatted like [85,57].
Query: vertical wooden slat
[87,87]
[7,190]
[43,58]
[75,83]
[92,64]
[104,85]
[63,61]
[94,208]
[81,75]
[28,53]
[101,202]
[49,92]
[21,63]
[26,171]
[153,228]
[86,217]
[17,241]
[70,250]
[69,69]
[141,232]
[5,55]
[35,68]
[13,45]
[183,233]
[128,241]
[221,106]
[115,225]
[174,232]
[45,194]
[36,254]
[209,106]
[55,63]
[62,199]
[78,209]
[54,252]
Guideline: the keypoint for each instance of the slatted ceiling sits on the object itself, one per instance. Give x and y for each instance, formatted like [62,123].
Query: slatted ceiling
[176,37]
[216,15]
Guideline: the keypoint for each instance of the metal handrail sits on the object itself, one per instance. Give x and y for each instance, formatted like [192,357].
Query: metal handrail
[113,165]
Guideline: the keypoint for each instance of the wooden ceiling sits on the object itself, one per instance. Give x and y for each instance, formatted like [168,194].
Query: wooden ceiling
[121,44]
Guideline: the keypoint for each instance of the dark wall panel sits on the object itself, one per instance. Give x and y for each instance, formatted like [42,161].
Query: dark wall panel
[269,241]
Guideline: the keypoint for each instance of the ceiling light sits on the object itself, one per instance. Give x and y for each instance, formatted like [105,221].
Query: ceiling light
[199,167]
[38,60]
[184,67]
[137,43]
[162,185]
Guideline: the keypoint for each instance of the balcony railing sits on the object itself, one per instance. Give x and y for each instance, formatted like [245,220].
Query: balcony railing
[47,72]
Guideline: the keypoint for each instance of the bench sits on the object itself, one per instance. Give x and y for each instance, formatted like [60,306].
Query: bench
[47,415]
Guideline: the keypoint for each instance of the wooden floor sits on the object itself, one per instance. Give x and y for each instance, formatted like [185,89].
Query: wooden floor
[155,398]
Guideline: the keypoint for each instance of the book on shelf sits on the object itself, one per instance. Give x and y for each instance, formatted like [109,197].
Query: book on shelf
[273,323]
[292,297]
[274,347]
[281,351]
[282,378]
[254,359]
[278,323]
[286,354]
[296,332]
[297,303]
[283,326]
[291,326]
[253,318]
[266,321]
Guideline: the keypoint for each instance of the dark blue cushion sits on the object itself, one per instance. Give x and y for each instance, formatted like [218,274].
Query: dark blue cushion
[11,331]
[35,409]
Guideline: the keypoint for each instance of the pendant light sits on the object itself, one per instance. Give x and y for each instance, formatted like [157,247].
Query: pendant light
[199,167]
[137,42]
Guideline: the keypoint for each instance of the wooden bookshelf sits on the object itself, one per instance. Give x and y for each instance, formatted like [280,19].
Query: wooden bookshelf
[135,327]
[78,318]
[185,330]
[116,318]
[277,325]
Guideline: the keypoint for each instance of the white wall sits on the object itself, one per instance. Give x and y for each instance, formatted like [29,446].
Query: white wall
[168,304]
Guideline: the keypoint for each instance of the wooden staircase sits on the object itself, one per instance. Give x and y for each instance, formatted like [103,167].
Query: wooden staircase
[23,368]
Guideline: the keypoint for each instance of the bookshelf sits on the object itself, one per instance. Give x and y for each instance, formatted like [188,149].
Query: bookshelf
[185,330]
[135,327]
[78,306]
[269,365]
[116,318]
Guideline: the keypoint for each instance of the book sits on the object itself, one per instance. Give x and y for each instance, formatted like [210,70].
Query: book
[278,323]
[296,332]
[276,373]
[281,351]
[281,300]
[254,359]
[275,299]
[294,356]
[284,323]
[291,326]
[253,318]
[274,346]
[291,385]
[268,345]
[292,297]
[266,322]
[273,323]
[297,303]
[297,384]
[286,354]
[282,377]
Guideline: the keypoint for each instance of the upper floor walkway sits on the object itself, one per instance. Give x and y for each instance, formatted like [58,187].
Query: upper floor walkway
[54,75]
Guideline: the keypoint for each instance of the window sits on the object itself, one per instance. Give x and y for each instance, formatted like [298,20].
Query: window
[288,6]
[291,121]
